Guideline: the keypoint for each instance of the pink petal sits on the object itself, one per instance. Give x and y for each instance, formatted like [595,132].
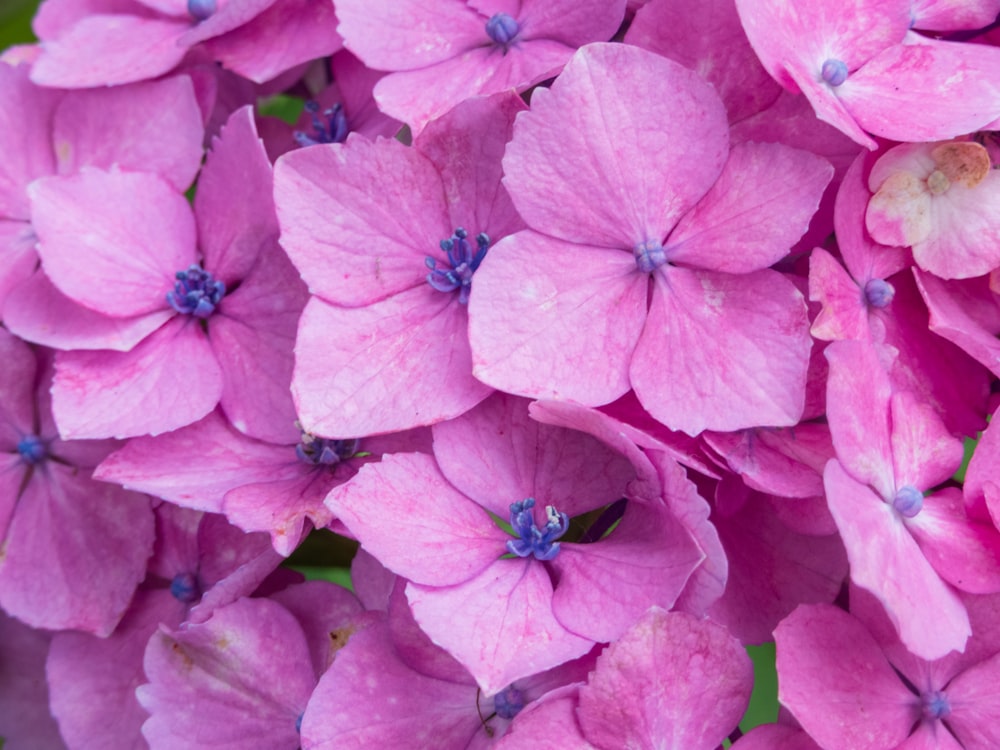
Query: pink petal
[229,16]
[498,624]
[734,349]
[929,617]
[975,699]
[169,380]
[533,296]
[421,332]
[24,694]
[135,230]
[672,681]
[17,248]
[754,213]
[337,203]
[591,111]
[924,452]
[844,314]
[404,512]
[25,138]
[104,50]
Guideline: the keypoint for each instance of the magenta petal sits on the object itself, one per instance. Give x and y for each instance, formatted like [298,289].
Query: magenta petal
[349,384]
[844,314]
[245,674]
[754,213]
[17,248]
[977,705]
[103,50]
[928,615]
[52,574]
[404,512]
[734,349]
[25,719]
[566,164]
[336,203]
[135,230]
[499,624]
[38,312]
[532,298]
[102,127]
[835,679]
[672,681]
[924,452]
[607,585]
[169,380]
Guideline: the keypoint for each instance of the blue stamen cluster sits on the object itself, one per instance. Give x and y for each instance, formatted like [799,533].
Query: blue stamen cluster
[502,28]
[879,292]
[325,451]
[462,264]
[185,588]
[649,255]
[508,702]
[329,126]
[935,705]
[199,10]
[908,501]
[32,450]
[534,541]
[196,293]
[834,72]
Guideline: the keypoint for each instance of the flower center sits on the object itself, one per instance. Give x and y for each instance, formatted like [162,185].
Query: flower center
[935,705]
[508,702]
[462,264]
[540,542]
[834,72]
[185,588]
[199,10]
[196,293]
[908,501]
[649,255]
[329,126]
[938,182]
[32,450]
[325,451]
[502,29]
[879,292]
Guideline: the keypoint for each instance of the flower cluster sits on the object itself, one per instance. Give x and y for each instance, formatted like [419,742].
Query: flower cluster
[610,337]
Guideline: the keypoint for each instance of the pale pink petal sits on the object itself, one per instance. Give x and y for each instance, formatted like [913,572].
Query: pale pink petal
[888,96]
[135,230]
[607,585]
[233,205]
[104,49]
[734,349]
[497,455]
[498,624]
[169,380]
[754,213]
[838,684]
[672,681]
[954,15]
[37,311]
[25,138]
[349,383]
[926,612]
[924,452]
[571,166]
[404,512]
[115,125]
[532,298]
[52,574]
[359,219]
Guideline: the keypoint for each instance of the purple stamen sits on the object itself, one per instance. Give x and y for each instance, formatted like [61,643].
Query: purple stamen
[199,10]
[834,72]
[329,126]
[185,588]
[502,29]
[649,255]
[879,293]
[541,543]
[325,451]
[196,293]
[462,264]
[508,702]
[908,501]
[935,705]
[32,450]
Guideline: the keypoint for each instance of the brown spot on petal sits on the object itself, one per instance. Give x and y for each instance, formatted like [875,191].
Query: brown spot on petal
[962,161]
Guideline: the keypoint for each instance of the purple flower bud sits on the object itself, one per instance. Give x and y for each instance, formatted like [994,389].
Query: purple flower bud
[935,705]
[508,702]
[502,28]
[31,449]
[879,293]
[834,72]
[185,588]
[908,501]
[649,255]
[199,10]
